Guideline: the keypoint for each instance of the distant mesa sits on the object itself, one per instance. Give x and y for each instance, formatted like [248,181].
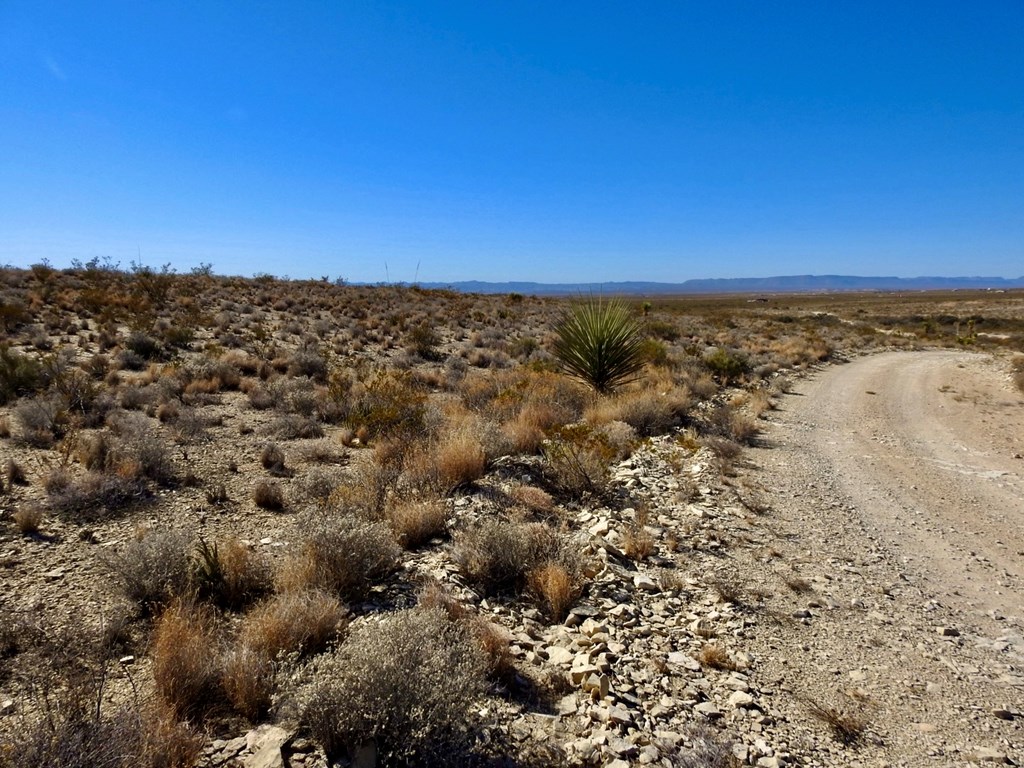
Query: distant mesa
[783,284]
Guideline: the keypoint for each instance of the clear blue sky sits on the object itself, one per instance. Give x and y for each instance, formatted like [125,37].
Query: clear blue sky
[563,141]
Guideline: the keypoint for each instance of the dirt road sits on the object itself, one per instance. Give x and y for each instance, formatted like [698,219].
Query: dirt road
[927,447]
[896,510]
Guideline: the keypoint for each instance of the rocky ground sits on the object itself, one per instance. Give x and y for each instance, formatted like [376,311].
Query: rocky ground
[834,647]
[785,607]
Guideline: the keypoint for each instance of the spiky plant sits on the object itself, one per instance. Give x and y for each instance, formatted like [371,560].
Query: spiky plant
[600,343]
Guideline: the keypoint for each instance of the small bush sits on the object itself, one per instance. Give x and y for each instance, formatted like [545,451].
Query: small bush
[499,556]
[154,569]
[19,374]
[389,404]
[96,496]
[268,495]
[555,589]
[406,686]
[300,622]
[230,574]
[577,461]
[729,366]
[28,519]
[341,555]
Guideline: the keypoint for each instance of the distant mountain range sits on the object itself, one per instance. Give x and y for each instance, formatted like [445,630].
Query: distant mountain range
[782,284]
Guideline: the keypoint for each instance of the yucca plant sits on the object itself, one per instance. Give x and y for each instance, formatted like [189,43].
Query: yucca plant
[600,343]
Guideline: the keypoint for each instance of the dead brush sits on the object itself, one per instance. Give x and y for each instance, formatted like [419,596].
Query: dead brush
[293,622]
[798,584]
[728,590]
[638,543]
[715,657]
[847,723]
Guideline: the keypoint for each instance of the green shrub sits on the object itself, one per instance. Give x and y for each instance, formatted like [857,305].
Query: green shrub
[600,343]
[19,374]
[728,365]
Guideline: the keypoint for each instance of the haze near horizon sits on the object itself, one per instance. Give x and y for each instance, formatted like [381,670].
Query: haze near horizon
[569,143]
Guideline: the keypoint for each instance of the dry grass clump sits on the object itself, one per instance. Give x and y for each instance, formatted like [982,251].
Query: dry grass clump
[533,499]
[289,625]
[847,724]
[555,588]
[340,554]
[656,409]
[637,542]
[94,496]
[185,670]
[404,688]
[27,519]
[301,622]
[716,657]
[417,522]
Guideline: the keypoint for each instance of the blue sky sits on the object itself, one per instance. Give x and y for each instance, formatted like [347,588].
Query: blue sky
[558,142]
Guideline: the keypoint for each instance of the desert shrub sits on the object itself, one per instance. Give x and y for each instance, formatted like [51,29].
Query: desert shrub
[139,450]
[388,404]
[268,495]
[340,554]
[600,343]
[649,411]
[725,421]
[273,460]
[454,460]
[143,346]
[152,570]
[317,485]
[14,473]
[292,426]
[185,673]
[27,518]
[405,686]
[498,556]
[577,459]
[229,574]
[417,522]
[728,365]
[423,341]
[94,496]
[308,362]
[247,679]
[43,419]
[19,374]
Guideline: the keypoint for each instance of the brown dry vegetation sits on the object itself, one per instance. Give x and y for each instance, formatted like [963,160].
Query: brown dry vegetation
[145,411]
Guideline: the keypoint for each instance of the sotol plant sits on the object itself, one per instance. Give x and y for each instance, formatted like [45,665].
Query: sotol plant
[600,343]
